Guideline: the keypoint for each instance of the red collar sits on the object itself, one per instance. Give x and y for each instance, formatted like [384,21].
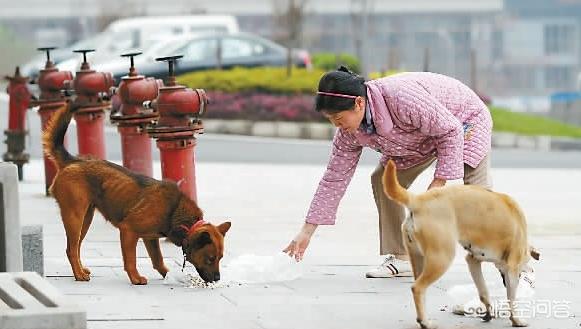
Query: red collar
[194,227]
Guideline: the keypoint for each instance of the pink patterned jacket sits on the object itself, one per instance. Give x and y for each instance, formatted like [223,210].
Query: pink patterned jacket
[416,115]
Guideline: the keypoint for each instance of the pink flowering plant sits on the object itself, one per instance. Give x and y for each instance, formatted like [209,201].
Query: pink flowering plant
[259,94]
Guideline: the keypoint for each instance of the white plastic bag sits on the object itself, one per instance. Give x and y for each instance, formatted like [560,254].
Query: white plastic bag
[250,268]
[465,299]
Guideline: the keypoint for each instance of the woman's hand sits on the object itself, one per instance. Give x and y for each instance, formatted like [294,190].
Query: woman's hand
[299,244]
[437,182]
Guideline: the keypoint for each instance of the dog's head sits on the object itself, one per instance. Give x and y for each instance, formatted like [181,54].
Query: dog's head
[204,248]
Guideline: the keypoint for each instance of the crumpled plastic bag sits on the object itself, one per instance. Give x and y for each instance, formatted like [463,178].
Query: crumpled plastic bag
[250,268]
[465,299]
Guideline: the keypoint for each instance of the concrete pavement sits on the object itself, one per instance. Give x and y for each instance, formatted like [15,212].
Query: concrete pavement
[266,204]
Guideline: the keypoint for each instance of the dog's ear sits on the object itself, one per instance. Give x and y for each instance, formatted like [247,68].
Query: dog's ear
[534,253]
[200,239]
[224,227]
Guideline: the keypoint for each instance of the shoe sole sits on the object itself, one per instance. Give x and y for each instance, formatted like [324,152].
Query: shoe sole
[399,275]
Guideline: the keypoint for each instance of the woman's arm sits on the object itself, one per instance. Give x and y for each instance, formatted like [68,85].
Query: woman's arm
[344,158]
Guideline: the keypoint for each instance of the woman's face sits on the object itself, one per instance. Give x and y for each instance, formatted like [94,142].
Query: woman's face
[350,119]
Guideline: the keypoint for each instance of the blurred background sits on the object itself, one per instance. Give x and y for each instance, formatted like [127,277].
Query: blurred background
[518,55]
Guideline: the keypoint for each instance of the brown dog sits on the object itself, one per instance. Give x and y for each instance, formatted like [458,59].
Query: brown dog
[139,206]
[489,225]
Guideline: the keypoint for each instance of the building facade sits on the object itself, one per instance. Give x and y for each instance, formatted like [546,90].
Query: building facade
[523,47]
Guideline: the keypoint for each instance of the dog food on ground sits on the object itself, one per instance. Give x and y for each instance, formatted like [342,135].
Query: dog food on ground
[190,280]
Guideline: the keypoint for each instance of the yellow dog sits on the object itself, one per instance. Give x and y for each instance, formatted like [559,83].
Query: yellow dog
[489,225]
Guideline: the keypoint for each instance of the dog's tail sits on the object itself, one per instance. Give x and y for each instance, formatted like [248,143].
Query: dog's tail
[392,188]
[54,135]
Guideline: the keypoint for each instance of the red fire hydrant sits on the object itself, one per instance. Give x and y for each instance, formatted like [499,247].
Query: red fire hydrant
[179,108]
[51,83]
[19,102]
[91,89]
[132,118]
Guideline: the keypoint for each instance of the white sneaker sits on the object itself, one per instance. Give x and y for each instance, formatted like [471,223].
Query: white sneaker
[391,267]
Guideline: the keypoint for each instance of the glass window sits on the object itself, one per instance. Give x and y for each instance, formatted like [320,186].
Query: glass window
[236,48]
[559,77]
[559,39]
[497,45]
[208,29]
[198,50]
[124,40]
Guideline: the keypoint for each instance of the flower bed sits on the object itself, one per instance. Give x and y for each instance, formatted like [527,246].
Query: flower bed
[257,106]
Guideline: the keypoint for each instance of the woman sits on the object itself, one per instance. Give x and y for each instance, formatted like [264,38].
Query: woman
[413,118]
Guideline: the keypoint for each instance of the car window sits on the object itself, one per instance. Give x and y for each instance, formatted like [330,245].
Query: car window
[199,50]
[124,40]
[208,29]
[236,48]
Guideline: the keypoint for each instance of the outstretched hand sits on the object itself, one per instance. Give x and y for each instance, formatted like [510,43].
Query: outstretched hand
[297,247]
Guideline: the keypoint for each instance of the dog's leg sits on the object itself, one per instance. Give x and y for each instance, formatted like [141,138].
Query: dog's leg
[86,224]
[511,287]
[72,221]
[475,267]
[73,204]
[416,260]
[154,251]
[436,262]
[128,249]
[416,257]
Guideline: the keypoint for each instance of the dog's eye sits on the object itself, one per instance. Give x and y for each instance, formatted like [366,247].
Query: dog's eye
[211,259]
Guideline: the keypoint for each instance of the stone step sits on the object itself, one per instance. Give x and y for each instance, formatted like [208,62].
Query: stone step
[28,301]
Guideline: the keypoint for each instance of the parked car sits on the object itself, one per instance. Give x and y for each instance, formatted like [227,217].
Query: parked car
[209,51]
[136,32]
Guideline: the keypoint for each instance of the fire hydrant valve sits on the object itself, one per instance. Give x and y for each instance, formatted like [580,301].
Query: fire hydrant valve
[51,83]
[179,108]
[132,117]
[19,102]
[92,91]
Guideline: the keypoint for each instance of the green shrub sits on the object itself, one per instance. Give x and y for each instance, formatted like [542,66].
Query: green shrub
[266,79]
[529,124]
[330,61]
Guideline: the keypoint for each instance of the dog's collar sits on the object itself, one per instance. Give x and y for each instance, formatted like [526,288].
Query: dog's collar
[194,227]
[189,231]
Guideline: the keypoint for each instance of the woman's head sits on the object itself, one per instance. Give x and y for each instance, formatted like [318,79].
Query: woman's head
[341,98]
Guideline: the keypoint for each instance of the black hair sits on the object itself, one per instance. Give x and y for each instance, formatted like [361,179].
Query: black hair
[341,81]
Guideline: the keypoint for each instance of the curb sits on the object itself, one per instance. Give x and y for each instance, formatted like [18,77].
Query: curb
[283,129]
[324,131]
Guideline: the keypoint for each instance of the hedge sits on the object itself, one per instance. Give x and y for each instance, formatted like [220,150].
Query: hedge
[271,80]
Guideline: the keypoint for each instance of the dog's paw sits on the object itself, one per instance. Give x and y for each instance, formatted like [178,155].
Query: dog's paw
[518,322]
[83,276]
[138,280]
[86,271]
[427,324]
